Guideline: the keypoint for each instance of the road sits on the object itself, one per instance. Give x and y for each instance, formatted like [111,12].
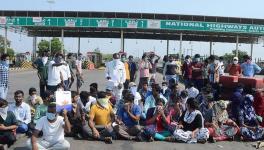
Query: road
[25,79]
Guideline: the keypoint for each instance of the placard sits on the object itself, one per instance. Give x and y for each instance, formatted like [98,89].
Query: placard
[63,100]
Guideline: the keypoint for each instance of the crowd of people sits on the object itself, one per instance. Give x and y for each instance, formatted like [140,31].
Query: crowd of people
[146,111]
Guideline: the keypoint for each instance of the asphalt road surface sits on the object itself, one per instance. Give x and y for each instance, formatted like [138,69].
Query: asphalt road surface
[23,80]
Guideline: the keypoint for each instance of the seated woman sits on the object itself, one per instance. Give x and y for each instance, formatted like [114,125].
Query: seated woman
[158,121]
[191,127]
[8,124]
[219,125]
[250,128]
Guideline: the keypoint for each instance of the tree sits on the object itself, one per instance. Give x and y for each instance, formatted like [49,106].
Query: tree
[229,56]
[56,46]
[10,51]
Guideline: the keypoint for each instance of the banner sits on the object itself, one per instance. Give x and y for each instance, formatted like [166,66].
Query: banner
[63,100]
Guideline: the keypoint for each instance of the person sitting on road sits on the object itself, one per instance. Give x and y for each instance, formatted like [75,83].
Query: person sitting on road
[191,124]
[144,91]
[151,99]
[53,127]
[165,91]
[33,100]
[128,117]
[42,109]
[219,125]
[8,124]
[22,112]
[250,128]
[192,91]
[101,118]
[157,122]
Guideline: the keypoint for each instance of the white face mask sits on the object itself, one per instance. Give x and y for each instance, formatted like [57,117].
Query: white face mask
[164,88]
[3,112]
[235,62]
[33,99]
[44,60]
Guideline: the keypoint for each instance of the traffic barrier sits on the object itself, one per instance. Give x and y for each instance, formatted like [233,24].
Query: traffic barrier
[256,83]
[228,81]
[26,65]
[90,66]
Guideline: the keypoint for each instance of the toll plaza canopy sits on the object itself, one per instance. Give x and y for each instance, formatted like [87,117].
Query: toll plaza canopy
[134,25]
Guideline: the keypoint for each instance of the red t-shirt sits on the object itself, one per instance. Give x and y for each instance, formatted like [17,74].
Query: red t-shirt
[235,70]
[197,74]
[187,70]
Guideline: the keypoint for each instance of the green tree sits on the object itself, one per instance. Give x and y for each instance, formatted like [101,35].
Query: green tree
[10,51]
[56,45]
[229,56]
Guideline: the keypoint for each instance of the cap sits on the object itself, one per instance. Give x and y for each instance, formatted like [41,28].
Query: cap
[235,58]
[131,84]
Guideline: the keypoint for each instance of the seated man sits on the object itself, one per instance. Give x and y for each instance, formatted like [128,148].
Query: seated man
[128,120]
[100,119]
[42,109]
[165,91]
[33,100]
[144,92]
[8,124]
[22,112]
[53,128]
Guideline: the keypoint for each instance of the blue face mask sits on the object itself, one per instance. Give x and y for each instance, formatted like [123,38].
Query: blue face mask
[51,116]
[5,63]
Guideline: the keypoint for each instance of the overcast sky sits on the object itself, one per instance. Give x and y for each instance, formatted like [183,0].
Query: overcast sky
[228,8]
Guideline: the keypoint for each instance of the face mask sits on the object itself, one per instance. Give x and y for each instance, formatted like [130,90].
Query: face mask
[103,102]
[133,90]
[3,112]
[123,59]
[51,116]
[44,59]
[164,88]
[33,99]
[6,63]
[235,62]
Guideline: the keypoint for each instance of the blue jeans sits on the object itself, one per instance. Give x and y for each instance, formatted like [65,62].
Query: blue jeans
[66,85]
[22,128]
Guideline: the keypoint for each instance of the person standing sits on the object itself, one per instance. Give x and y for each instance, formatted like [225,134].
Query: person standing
[42,65]
[54,73]
[249,69]
[133,68]
[66,75]
[4,74]
[153,61]
[79,74]
[197,72]
[187,70]
[124,60]
[71,62]
[171,70]
[234,69]
[144,66]
[115,70]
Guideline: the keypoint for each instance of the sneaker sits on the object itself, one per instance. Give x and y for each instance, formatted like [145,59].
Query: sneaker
[108,140]
[3,147]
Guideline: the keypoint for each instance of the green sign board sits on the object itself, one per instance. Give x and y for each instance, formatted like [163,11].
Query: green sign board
[132,24]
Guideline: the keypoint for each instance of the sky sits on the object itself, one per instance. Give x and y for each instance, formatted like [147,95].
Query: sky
[227,8]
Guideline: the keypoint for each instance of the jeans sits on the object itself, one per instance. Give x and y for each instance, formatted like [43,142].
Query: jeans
[45,145]
[3,92]
[42,88]
[66,85]
[52,88]
[22,128]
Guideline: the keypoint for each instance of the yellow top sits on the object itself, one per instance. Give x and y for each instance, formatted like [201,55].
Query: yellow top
[102,116]
[127,71]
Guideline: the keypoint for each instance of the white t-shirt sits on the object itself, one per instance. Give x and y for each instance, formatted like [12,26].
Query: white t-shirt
[65,71]
[54,74]
[192,92]
[52,132]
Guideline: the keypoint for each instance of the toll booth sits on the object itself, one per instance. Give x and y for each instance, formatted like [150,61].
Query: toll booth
[95,58]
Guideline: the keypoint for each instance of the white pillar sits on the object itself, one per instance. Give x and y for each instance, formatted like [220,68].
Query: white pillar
[122,41]
[79,45]
[180,47]
[34,47]
[251,50]
[237,41]
[211,47]
[5,40]
[168,45]
[62,41]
